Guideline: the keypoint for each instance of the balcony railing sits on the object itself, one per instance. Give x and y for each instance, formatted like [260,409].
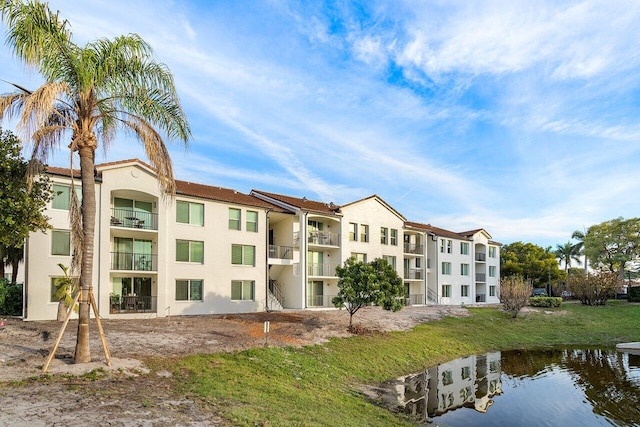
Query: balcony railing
[481,257]
[280,252]
[413,299]
[414,274]
[134,261]
[481,298]
[320,300]
[412,248]
[323,269]
[481,277]
[127,218]
[133,304]
[323,238]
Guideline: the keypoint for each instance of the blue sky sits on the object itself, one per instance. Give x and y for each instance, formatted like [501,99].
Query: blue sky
[517,116]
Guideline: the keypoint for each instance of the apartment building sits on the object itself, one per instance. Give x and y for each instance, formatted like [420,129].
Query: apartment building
[216,250]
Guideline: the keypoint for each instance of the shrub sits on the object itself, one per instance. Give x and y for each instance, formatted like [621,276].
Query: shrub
[633,294]
[594,289]
[10,299]
[545,301]
[514,293]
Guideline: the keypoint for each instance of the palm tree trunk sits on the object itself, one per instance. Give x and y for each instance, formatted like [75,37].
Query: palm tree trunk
[83,351]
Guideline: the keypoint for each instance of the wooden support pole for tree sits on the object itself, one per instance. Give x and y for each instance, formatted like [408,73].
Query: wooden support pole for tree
[60,334]
[103,338]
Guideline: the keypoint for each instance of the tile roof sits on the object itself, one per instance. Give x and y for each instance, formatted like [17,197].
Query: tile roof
[303,203]
[221,194]
[55,170]
[437,231]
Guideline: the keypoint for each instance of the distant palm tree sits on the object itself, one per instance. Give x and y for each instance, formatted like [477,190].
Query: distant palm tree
[580,236]
[90,92]
[567,253]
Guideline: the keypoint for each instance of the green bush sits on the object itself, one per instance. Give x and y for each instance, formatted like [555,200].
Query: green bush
[633,294]
[545,301]
[10,299]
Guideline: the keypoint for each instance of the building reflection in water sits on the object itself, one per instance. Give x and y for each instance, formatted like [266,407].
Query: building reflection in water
[468,382]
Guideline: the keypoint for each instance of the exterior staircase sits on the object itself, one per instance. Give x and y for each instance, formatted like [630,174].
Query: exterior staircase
[275,298]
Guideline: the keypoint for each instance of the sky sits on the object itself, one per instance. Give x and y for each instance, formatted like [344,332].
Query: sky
[519,117]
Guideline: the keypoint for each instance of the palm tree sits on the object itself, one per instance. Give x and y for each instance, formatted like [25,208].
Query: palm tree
[90,92]
[66,290]
[580,236]
[567,253]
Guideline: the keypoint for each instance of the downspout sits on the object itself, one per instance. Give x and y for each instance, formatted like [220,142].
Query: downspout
[437,270]
[426,260]
[266,229]
[26,280]
[99,239]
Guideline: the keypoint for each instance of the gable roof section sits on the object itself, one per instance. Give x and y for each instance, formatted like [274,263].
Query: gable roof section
[441,232]
[184,188]
[299,203]
[381,201]
[472,233]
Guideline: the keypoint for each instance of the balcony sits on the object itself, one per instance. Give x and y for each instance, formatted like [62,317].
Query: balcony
[414,299]
[320,300]
[481,277]
[412,248]
[322,270]
[280,252]
[133,261]
[413,274]
[127,218]
[323,238]
[481,257]
[133,304]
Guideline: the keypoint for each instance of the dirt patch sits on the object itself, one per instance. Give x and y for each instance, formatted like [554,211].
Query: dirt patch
[127,392]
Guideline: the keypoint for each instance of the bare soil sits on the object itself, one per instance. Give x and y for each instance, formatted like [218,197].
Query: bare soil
[128,392]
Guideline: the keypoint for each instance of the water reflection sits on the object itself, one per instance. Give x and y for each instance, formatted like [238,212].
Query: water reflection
[550,387]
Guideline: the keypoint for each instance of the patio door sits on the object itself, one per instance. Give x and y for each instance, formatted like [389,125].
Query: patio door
[123,253]
[142,255]
[314,260]
[315,292]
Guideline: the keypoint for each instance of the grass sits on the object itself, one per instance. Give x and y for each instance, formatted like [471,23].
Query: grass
[317,385]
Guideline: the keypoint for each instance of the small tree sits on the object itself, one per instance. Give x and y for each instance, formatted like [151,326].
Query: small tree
[514,293]
[66,290]
[362,284]
[594,289]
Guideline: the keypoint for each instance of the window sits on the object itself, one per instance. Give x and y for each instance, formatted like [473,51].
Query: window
[391,260]
[492,291]
[384,235]
[446,268]
[353,232]
[394,237]
[359,257]
[447,378]
[492,251]
[252,221]
[464,290]
[243,255]
[234,219]
[242,290]
[464,269]
[364,233]
[464,248]
[188,290]
[189,251]
[60,242]
[53,288]
[449,245]
[466,372]
[492,271]
[418,263]
[190,213]
[442,243]
[446,291]
[62,196]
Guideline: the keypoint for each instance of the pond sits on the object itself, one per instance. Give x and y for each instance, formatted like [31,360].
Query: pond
[559,387]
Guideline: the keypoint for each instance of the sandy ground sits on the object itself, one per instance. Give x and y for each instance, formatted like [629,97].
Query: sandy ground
[127,392]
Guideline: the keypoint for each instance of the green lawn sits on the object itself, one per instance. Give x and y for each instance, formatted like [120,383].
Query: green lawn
[317,385]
